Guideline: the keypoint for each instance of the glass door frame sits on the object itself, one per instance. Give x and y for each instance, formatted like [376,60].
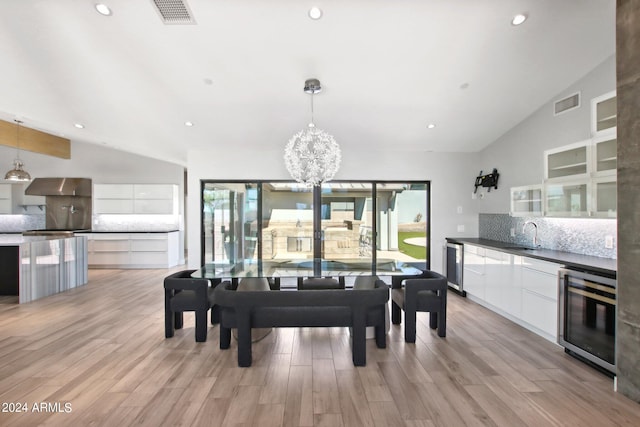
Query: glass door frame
[317,213]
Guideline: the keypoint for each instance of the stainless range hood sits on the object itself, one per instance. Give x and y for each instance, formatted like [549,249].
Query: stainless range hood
[59,187]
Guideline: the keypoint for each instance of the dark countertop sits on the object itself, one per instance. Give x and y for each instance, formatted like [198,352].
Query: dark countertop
[595,264]
[128,232]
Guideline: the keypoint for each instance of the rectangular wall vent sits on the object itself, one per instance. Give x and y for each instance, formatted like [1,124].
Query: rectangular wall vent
[174,11]
[566,104]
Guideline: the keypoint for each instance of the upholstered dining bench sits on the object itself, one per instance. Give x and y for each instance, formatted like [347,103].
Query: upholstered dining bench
[355,308]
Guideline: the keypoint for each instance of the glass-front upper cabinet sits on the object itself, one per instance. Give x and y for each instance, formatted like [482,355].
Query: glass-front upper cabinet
[605,155]
[605,197]
[568,161]
[604,113]
[567,198]
[526,201]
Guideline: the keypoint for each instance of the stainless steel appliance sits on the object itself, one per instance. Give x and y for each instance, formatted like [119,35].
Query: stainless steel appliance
[453,260]
[587,317]
[68,202]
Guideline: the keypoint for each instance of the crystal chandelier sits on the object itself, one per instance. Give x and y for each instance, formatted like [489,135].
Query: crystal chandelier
[312,156]
[17,173]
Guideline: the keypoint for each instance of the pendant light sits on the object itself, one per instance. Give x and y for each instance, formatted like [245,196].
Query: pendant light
[17,173]
[312,156]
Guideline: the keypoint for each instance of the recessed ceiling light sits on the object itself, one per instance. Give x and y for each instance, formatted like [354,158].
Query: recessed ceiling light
[430,126]
[315,13]
[188,124]
[103,9]
[79,125]
[519,19]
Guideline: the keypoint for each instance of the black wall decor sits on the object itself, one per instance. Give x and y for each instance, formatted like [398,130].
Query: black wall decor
[489,180]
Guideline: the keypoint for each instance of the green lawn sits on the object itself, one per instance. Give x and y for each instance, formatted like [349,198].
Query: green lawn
[418,252]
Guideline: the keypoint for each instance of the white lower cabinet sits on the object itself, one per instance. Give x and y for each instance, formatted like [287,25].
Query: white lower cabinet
[540,295]
[474,270]
[133,250]
[522,289]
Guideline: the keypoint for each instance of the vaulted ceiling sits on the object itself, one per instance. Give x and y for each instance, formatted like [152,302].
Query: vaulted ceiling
[388,69]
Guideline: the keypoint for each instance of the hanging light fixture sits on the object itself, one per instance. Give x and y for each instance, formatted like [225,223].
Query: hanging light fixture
[17,173]
[312,156]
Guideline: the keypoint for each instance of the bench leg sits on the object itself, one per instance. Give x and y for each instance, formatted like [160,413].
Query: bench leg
[433,319]
[244,339]
[442,324]
[381,336]
[215,315]
[225,338]
[168,324]
[359,339]
[201,325]
[178,319]
[395,313]
[410,326]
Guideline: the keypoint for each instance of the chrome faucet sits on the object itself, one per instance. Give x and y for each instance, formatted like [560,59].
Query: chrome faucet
[535,233]
[72,209]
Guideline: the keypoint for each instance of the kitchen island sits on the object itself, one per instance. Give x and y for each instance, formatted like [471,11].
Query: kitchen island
[34,267]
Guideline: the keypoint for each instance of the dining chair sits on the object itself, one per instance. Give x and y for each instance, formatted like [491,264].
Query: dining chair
[185,293]
[428,294]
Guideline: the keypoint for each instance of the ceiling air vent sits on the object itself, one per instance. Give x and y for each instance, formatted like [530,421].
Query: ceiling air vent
[174,11]
[566,104]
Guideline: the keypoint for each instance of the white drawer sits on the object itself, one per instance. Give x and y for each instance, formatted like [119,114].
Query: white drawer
[540,312]
[149,245]
[149,258]
[110,245]
[109,258]
[112,206]
[545,266]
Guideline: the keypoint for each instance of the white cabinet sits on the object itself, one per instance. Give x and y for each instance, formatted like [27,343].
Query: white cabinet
[604,197]
[568,161]
[112,206]
[523,289]
[604,113]
[605,156]
[502,281]
[5,199]
[474,270]
[14,201]
[113,191]
[526,201]
[540,295]
[135,199]
[567,198]
[133,250]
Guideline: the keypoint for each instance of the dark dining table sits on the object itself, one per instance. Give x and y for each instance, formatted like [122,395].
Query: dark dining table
[281,268]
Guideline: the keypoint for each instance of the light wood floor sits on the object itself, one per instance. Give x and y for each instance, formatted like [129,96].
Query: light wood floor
[101,349]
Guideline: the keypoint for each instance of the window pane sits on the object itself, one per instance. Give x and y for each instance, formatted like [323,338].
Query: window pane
[402,223]
[230,221]
[287,220]
[346,224]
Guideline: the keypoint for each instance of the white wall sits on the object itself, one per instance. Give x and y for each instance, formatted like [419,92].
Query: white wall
[451,175]
[101,164]
[518,154]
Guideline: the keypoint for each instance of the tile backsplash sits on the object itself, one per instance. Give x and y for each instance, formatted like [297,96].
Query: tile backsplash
[19,223]
[579,235]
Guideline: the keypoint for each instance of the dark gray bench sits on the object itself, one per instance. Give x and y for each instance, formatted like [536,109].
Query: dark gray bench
[355,308]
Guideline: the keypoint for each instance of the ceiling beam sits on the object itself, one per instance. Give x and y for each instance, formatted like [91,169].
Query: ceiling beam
[34,140]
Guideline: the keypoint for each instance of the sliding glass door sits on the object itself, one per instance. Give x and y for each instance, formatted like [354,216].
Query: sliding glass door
[346,227]
[402,211]
[287,221]
[230,221]
[374,222]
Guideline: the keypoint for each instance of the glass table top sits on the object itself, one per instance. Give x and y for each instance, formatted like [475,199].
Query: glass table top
[307,267]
